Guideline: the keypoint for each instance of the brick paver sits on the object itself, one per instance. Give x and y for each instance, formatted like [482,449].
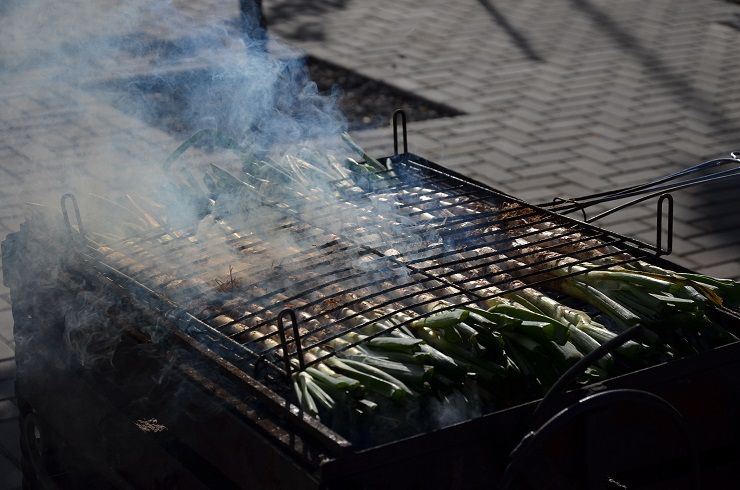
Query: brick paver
[562,98]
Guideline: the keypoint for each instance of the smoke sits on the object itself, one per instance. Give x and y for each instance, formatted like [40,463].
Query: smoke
[456,407]
[262,150]
[134,80]
[93,57]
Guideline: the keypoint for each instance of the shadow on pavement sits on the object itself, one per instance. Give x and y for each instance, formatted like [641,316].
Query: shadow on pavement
[311,29]
[682,88]
[516,36]
[718,202]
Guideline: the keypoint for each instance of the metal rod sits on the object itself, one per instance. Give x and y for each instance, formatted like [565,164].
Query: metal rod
[719,176]
[296,338]
[407,309]
[436,299]
[521,455]
[402,114]
[80,228]
[471,264]
[659,226]
[283,340]
[547,405]
[614,193]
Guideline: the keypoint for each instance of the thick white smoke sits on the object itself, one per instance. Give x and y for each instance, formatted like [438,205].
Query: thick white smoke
[256,93]
[107,66]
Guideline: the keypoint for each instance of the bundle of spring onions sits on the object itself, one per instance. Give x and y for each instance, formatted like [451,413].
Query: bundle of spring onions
[677,307]
[501,351]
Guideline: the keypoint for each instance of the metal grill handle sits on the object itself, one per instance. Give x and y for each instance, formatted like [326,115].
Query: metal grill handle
[402,114]
[648,190]
[659,226]
[65,213]
[296,339]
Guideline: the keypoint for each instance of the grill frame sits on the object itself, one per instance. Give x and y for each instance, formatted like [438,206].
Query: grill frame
[190,322]
[344,463]
[208,339]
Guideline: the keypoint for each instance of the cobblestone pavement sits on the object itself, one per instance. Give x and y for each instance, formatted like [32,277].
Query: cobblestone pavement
[561,98]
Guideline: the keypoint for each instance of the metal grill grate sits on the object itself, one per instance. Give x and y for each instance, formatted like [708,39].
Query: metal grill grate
[444,241]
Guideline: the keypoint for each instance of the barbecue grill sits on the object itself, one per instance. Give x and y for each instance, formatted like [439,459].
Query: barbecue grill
[181,395]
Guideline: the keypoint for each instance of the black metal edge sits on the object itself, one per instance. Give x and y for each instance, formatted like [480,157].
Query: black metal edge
[659,226]
[514,419]
[394,121]
[524,450]
[193,333]
[420,162]
[63,203]
[326,442]
[549,404]
[296,340]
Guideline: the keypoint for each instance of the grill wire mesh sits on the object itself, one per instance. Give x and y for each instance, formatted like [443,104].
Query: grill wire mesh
[444,242]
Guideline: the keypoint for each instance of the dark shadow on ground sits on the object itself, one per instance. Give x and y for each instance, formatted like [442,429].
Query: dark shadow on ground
[181,103]
[682,88]
[515,34]
[311,28]
[718,202]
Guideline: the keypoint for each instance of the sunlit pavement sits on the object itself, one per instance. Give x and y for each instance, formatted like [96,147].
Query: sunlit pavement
[561,98]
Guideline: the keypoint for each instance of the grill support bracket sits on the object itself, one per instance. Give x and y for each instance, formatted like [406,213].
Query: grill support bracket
[399,113]
[288,312]
[70,197]
[659,226]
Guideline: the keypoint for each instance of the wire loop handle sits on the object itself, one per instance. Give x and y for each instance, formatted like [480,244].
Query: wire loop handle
[659,226]
[65,213]
[402,114]
[296,339]
[523,452]
[648,190]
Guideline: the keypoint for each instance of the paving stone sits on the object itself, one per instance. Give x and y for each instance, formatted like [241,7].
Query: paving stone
[684,248]
[592,167]
[467,148]
[534,195]
[728,270]
[514,137]
[500,159]
[484,127]
[541,181]
[600,156]
[715,256]
[604,143]
[543,169]
[567,134]
[491,174]
[464,160]
[635,229]
[636,177]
